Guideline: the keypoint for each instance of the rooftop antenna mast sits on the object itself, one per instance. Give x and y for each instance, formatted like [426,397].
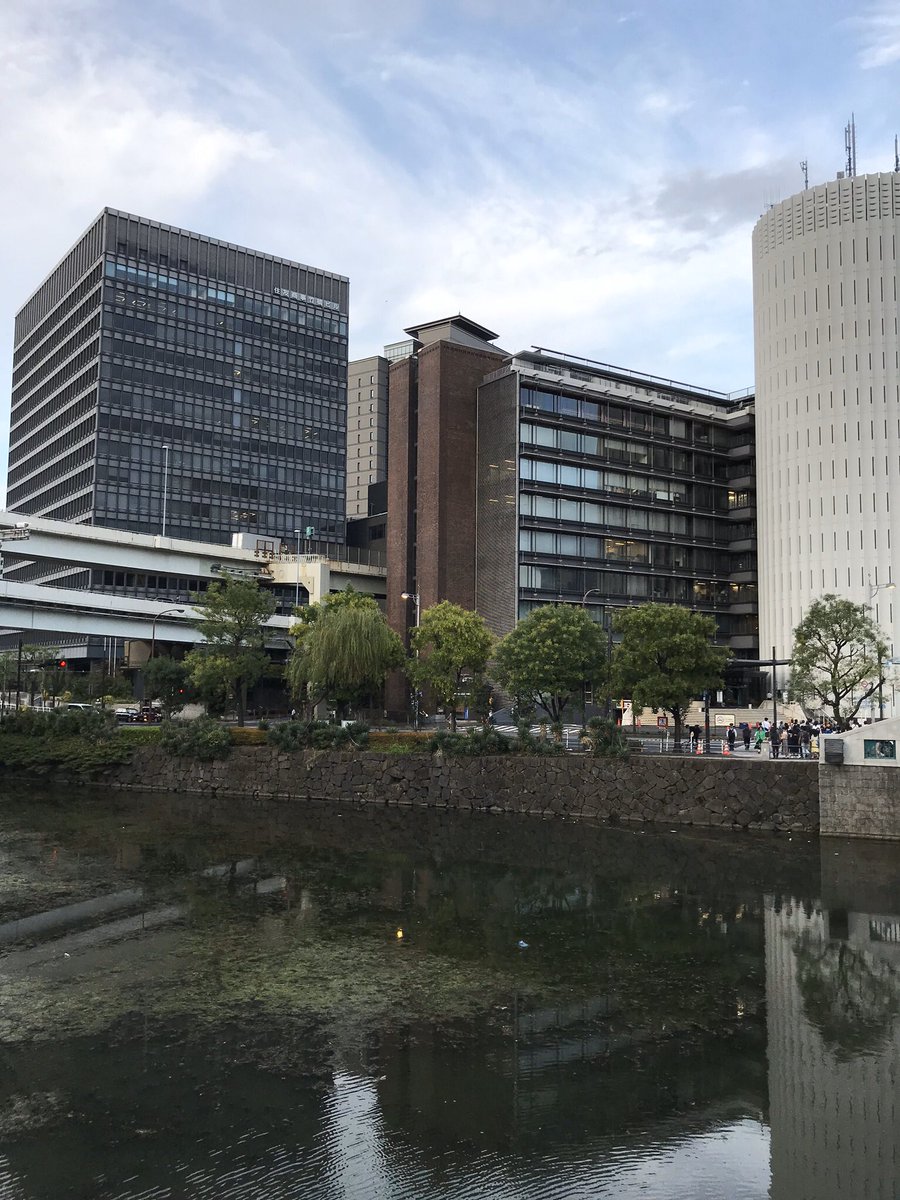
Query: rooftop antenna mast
[850,147]
[804,167]
[896,156]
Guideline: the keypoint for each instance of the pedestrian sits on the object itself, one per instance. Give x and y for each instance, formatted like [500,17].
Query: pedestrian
[759,736]
[793,740]
[805,740]
[731,735]
[746,734]
[775,740]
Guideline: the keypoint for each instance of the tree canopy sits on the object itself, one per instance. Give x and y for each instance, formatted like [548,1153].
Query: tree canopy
[232,618]
[344,649]
[453,646]
[166,680]
[838,657]
[666,657]
[550,655]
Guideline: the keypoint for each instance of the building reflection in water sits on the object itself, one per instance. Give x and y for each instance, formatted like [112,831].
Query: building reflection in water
[833,1000]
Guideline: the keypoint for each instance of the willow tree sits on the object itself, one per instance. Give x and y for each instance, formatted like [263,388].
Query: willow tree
[344,649]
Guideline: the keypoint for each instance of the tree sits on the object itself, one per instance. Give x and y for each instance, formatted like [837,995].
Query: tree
[9,666]
[550,655]
[344,650]
[165,680]
[232,620]
[452,646]
[35,660]
[666,657]
[838,657]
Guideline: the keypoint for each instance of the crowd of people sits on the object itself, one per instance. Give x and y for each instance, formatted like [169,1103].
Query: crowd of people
[783,739]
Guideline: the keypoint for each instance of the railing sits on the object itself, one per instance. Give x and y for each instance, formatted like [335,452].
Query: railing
[327,551]
[641,377]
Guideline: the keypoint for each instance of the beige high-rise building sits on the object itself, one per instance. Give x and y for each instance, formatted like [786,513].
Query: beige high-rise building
[367,416]
[825,282]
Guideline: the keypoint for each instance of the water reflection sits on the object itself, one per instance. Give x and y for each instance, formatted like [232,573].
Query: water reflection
[833,996]
[206,1002]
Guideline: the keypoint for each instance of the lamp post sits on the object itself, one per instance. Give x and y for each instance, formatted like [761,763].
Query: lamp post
[874,589]
[609,649]
[297,589]
[164,612]
[414,596]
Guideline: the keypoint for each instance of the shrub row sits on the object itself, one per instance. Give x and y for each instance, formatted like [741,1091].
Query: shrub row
[84,742]
[71,741]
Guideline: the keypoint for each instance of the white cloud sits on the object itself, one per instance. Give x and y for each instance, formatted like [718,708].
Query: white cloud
[880,35]
[544,196]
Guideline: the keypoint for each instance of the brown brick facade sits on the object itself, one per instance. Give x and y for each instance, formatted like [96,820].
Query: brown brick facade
[431,485]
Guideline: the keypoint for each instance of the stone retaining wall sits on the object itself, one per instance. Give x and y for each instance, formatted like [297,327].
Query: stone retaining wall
[861,801]
[686,791]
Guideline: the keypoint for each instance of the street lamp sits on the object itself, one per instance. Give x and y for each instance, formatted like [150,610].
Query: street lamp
[414,596]
[609,649]
[874,589]
[164,612]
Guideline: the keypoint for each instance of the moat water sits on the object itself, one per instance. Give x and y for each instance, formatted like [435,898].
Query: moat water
[224,1002]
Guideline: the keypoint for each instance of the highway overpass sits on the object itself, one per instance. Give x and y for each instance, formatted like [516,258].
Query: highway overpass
[28,608]
[36,609]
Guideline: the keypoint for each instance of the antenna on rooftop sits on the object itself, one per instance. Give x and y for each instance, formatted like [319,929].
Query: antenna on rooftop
[896,156]
[850,147]
[804,167]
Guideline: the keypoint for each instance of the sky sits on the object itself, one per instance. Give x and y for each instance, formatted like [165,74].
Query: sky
[582,175]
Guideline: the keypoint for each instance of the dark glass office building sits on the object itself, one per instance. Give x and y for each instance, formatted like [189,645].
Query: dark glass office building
[608,488]
[170,383]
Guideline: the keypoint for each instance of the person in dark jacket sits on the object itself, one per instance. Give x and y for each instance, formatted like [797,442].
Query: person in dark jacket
[775,740]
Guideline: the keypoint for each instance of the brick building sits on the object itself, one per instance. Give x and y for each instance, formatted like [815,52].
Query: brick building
[536,478]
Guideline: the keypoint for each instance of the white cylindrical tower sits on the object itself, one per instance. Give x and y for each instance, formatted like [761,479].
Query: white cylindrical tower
[825,303]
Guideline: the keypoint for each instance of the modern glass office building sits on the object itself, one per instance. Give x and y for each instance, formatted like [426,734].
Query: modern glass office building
[168,382]
[605,487]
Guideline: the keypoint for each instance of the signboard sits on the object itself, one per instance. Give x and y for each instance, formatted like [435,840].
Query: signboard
[627,713]
[306,299]
[879,748]
[725,719]
[662,722]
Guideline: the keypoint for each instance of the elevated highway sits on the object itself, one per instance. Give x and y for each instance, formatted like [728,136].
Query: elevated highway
[29,608]
[95,547]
